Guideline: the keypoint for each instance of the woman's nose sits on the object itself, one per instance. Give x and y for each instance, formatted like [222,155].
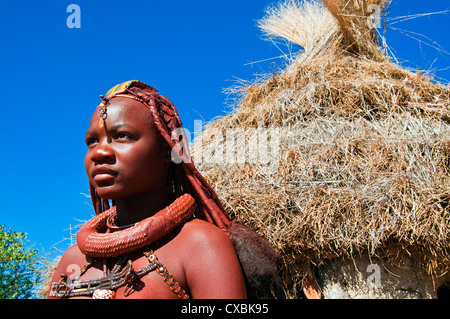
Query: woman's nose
[103,151]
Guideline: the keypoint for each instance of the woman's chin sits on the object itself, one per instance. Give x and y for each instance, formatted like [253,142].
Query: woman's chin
[109,192]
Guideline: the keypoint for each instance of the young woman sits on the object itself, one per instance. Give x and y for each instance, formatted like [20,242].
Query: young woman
[167,235]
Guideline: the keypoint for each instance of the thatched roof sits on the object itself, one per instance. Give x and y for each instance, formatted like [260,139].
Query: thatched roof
[363,157]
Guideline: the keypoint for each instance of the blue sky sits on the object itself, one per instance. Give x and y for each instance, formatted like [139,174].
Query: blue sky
[52,76]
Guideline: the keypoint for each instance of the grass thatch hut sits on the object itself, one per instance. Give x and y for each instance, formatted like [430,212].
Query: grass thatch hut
[341,160]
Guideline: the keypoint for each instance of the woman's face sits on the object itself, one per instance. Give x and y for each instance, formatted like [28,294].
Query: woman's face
[126,157]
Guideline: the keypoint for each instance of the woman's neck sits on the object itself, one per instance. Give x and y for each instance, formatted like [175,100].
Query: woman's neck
[139,207]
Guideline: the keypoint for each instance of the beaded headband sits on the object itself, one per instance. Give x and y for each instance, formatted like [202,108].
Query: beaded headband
[117,90]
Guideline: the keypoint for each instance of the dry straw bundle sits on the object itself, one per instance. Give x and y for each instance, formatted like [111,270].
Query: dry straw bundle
[363,156]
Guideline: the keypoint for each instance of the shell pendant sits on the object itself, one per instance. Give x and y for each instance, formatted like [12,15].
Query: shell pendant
[104,294]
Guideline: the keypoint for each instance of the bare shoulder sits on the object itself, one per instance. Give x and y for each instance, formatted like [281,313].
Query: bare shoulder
[201,233]
[70,260]
[204,243]
[210,263]
[73,255]
[204,240]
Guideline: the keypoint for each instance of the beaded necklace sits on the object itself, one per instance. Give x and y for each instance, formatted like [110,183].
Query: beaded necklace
[122,274]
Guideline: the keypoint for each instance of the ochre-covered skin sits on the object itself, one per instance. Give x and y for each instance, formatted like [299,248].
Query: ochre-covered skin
[93,240]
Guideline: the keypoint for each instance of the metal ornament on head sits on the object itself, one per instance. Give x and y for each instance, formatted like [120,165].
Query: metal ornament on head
[114,91]
[102,112]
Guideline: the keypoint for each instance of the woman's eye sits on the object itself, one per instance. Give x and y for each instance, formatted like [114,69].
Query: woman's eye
[123,135]
[90,141]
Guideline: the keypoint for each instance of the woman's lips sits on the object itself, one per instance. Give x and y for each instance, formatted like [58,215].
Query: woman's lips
[102,178]
[103,174]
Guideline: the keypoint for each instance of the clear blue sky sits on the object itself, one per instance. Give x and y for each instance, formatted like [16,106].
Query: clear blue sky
[52,76]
